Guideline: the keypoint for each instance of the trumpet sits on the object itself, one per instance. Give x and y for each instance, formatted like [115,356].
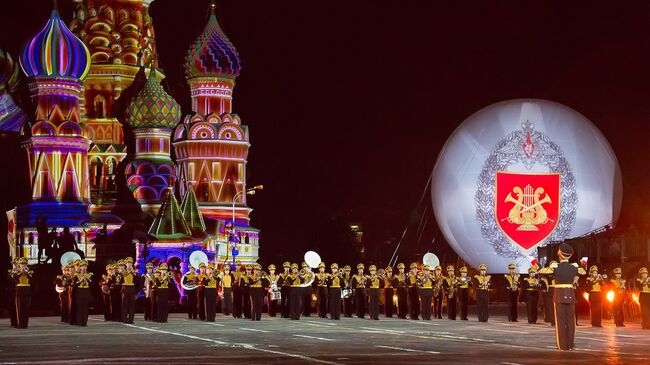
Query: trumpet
[601,277]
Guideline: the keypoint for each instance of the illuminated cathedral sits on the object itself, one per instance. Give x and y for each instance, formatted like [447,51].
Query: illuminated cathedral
[104,125]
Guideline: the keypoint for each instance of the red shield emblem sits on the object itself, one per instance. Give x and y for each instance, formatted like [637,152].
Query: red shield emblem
[527,206]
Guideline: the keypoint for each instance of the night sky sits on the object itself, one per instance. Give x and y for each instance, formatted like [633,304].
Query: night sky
[349,102]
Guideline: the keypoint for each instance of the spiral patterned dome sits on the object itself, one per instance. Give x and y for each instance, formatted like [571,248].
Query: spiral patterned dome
[55,52]
[212,54]
[153,107]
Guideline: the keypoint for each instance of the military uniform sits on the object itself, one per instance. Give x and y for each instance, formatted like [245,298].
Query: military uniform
[210,283]
[129,277]
[244,290]
[115,292]
[285,286]
[334,283]
[564,299]
[374,283]
[464,282]
[272,282]
[512,290]
[191,279]
[425,287]
[200,291]
[348,301]
[162,293]
[256,292]
[295,293]
[547,298]
[389,292]
[358,284]
[321,291]
[148,280]
[438,292]
[450,286]
[531,288]
[82,295]
[413,296]
[643,282]
[482,283]
[23,295]
[11,293]
[237,303]
[594,289]
[61,283]
[399,282]
[72,302]
[620,290]
[227,281]
[306,290]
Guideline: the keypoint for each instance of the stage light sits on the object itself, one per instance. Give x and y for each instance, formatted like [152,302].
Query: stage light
[610,296]
[586,296]
[635,298]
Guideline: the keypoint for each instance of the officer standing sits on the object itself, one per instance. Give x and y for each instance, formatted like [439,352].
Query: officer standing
[148,279]
[512,291]
[644,297]
[399,282]
[374,286]
[620,290]
[257,292]
[531,289]
[334,281]
[389,307]
[321,294]
[565,275]
[413,297]
[464,282]
[82,293]
[162,293]
[128,291]
[482,282]
[594,289]
[359,286]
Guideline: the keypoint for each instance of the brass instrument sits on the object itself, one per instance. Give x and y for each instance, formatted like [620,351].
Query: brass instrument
[463,280]
[188,284]
[381,273]
[485,285]
[438,286]
[85,278]
[601,277]
[514,282]
[453,285]
[622,287]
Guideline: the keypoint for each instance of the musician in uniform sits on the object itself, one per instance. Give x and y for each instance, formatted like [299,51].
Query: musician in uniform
[425,289]
[399,283]
[22,278]
[644,297]
[82,294]
[450,286]
[413,297]
[244,290]
[154,295]
[148,279]
[200,291]
[273,283]
[374,283]
[530,286]
[210,281]
[257,292]
[191,280]
[512,291]
[334,283]
[129,277]
[105,285]
[284,285]
[321,294]
[620,290]
[72,303]
[358,284]
[482,282]
[162,293]
[61,284]
[594,289]
[11,292]
[115,292]
[565,275]
[438,292]
[348,301]
[389,292]
[547,297]
[227,281]
[237,302]
[306,290]
[295,292]
[464,282]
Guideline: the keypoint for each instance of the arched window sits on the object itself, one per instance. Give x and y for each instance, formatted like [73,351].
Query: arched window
[99,104]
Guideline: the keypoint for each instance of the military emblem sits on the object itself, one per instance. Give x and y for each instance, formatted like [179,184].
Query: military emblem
[527,206]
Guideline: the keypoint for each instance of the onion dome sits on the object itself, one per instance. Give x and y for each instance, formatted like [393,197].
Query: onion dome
[153,107]
[55,52]
[212,54]
[12,117]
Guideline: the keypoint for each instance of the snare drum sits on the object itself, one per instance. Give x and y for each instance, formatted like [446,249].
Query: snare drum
[346,293]
[276,295]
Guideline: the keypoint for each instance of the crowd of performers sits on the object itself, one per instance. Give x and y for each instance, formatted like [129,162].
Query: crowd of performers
[419,292]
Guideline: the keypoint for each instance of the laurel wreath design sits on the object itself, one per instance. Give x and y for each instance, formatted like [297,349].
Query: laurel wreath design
[507,152]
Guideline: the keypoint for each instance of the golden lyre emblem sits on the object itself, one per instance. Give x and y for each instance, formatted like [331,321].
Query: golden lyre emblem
[528,211]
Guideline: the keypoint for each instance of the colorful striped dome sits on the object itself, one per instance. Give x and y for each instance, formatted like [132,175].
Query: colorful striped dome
[55,52]
[153,107]
[212,54]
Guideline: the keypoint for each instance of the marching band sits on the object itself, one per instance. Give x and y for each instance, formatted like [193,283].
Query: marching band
[420,293]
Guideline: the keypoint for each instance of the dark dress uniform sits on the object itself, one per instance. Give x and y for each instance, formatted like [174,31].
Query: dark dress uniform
[399,282]
[23,296]
[464,282]
[619,299]
[128,296]
[61,283]
[82,297]
[375,283]
[306,292]
[295,294]
[348,302]
[594,289]
[482,283]
[438,294]
[531,289]
[389,292]
[413,296]
[272,282]
[321,293]
[210,282]
[236,294]
[284,285]
[115,291]
[162,295]
[564,299]
[425,288]
[148,280]
[358,284]
[334,282]
[257,294]
[227,280]
[244,292]
[200,293]
[191,279]
[644,297]
[450,286]
[512,290]
[11,295]
[547,298]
